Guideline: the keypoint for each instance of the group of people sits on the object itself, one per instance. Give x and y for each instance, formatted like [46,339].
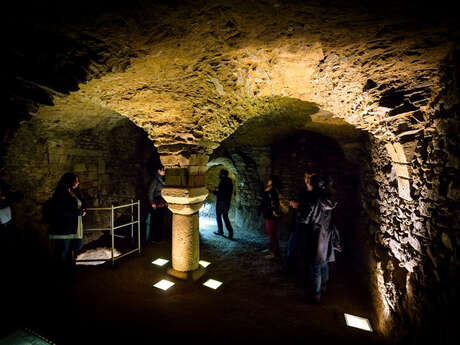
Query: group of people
[65,210]
[313,236]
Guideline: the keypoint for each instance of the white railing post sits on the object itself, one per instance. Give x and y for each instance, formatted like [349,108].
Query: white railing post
[112,225]
[132,220]
[139,225]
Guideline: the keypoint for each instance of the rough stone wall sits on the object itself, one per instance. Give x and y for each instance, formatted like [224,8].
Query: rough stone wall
[107,153]
[190,75]
[248,165]
[415,264]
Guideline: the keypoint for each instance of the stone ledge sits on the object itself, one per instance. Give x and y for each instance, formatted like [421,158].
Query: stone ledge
[184,195]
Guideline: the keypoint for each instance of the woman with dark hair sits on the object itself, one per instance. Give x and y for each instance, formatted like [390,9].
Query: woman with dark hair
[270,209]
[66,226]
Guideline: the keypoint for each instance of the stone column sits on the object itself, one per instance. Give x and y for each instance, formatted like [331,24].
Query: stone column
[185,194]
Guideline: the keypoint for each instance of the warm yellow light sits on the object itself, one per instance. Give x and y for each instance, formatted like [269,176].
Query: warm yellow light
[164,284]
[204,263]
[213,284]
[358,322]
[160,262]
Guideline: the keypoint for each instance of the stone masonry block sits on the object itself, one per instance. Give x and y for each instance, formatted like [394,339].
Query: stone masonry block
[172,180]
[404,188]
[176,172]
[79,167]
[391,152]
[401,170]
[400,153]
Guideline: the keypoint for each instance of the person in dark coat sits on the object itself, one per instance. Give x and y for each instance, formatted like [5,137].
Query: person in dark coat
[156,223]
[320,237]
[300,207]
[66,225]
[224,197]
[271,211]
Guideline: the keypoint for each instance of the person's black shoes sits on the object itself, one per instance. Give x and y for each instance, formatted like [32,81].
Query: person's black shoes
[218,233]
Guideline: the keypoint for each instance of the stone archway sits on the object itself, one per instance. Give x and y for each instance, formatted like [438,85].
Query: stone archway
[190,76]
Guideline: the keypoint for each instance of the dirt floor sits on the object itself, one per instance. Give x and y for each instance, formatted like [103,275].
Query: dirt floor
[255,304]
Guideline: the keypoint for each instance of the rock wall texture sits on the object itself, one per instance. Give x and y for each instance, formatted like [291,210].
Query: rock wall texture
[104,149]
[191,73]
[416,264]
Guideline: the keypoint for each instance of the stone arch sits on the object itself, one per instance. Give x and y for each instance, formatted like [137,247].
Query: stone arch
[393,76]
[94,142]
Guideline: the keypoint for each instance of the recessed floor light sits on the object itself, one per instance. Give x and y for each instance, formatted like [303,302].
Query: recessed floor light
[204,263]
[164,284]
[213,284]
[358,322]
[160,262]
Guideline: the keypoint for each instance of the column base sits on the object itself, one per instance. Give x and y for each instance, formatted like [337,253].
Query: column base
[188,275]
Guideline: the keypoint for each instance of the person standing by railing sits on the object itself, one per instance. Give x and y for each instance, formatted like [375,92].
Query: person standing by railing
[66,223]
[156,219]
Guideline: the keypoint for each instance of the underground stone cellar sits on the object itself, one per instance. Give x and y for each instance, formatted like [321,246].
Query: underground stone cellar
[366,93]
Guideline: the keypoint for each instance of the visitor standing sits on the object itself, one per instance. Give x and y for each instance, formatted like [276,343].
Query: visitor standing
[301,206]
[321,238]
[156,219]
[66,222]
[271,212]
[224,197]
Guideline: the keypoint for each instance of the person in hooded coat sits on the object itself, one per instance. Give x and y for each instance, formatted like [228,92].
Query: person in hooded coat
[321,240]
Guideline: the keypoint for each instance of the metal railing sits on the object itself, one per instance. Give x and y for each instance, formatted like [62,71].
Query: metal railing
[112,229]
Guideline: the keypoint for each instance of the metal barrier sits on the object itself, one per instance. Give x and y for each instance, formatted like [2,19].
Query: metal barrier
[112,229]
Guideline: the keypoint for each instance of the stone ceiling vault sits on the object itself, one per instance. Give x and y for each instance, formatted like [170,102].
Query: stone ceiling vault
[190,75]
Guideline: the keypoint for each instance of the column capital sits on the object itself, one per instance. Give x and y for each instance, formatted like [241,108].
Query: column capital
[184,200]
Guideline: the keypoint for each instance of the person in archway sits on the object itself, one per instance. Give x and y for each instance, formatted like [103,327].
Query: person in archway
[66,223]
[156,220]
[301,206]
[271,211]
[224,197]
[321,238]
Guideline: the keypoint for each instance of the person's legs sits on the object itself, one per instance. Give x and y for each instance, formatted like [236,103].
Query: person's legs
[148,222]
[219,210]
[65,251]
[161,222]
[157,224]
[324,276]
[270,227]
[227,220]
[291,252]
[315,279]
